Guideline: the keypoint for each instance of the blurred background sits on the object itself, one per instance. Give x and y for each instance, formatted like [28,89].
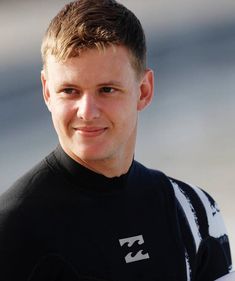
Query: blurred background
[189,130]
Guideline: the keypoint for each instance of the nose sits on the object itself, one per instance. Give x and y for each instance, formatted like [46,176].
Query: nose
[88,108]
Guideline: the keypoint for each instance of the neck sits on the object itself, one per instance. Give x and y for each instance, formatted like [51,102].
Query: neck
[111,167]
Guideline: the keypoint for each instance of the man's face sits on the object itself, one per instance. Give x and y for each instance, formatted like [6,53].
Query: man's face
[94,100]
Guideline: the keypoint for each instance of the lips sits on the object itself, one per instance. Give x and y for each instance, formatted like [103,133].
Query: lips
[90,131]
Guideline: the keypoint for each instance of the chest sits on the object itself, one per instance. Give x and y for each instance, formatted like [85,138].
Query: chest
[120,238]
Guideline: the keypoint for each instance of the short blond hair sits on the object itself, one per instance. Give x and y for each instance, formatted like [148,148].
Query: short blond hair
[86,24]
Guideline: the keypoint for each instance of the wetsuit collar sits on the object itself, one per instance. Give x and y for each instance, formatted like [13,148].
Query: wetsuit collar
[83,176]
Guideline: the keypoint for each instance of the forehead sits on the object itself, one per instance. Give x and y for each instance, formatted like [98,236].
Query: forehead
[110,61]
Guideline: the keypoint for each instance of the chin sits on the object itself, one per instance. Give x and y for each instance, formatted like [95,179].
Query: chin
[93,154]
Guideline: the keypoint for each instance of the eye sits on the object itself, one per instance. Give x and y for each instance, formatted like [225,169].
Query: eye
[69,91]
[107,90]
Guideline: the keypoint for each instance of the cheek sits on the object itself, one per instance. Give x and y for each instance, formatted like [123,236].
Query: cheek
[62,114]
[127,118]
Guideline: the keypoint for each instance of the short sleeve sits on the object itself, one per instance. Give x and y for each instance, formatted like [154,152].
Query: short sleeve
[211,257]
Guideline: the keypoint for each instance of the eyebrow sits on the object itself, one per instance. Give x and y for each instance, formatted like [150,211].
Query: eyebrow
[111,82]
[65,84]
[73,85]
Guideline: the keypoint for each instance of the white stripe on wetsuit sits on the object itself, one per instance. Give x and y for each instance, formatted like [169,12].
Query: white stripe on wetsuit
[189,213]
[215,221]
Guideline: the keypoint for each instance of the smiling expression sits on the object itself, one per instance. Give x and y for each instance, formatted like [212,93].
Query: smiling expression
[94,100]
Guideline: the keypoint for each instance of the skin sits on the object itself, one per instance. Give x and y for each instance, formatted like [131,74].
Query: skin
[94,100]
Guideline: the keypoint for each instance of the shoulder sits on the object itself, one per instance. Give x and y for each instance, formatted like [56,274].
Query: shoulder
[28,184]
[152,182]
[148,175]
[206,225]
[194,204]
[201,205]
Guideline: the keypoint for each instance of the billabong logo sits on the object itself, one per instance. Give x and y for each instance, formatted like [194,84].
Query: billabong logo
[130,241]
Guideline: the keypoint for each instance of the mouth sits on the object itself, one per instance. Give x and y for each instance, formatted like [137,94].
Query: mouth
[90,131]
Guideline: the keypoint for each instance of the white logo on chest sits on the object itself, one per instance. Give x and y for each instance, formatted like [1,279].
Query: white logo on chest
[130,241]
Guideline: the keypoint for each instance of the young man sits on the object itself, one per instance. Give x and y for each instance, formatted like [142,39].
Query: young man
[88,211]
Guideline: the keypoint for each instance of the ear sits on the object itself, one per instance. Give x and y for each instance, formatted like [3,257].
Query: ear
[45,89]
[146,90]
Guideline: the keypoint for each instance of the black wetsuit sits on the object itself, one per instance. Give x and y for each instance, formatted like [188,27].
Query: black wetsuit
[63,222]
